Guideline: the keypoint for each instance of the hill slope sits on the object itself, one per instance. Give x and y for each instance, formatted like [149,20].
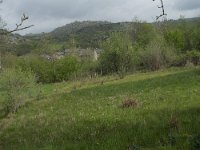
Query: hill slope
[86,33]
[90,33]
[165,114]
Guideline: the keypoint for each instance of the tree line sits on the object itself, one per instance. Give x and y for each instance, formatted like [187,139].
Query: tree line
[141,47]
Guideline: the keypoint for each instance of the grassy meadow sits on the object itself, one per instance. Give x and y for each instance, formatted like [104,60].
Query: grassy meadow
[147,111]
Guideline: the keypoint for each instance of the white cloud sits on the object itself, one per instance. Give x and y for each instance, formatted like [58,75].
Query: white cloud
[49,14]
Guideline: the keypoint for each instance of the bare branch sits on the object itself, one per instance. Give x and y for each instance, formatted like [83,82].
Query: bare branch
[19,29]
[19,26]
[163,10]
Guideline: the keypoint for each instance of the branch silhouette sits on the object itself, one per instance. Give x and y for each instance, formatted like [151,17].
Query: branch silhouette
[19,26]
[163,10]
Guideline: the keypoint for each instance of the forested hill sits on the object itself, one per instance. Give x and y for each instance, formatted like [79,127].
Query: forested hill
[86,33]
[90,33]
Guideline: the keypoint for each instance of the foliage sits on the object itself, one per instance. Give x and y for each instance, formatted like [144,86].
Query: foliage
[9,60]
[184,35]
[142,33]
[88,68]
[24,48]
[66,68]
[190,57]
[42,68]
[16,84]
[156,55]
[118,55]
[49,71]
[193,56]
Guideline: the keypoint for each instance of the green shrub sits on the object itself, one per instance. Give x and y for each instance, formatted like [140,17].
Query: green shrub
[176,38]
[88,68]
[187,59]
[42,68]
[65,68]
[156,55]
[50,71]
[9,60]
[16,84]
[118,55]
[193,56]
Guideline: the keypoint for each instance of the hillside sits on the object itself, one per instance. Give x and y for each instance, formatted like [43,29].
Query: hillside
[164,114]
[86,33]
[91,33]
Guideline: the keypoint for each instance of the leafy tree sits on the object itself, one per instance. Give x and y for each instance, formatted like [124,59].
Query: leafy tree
[118,54]
[65,68]
[157,55]
[142,33]
[176,38]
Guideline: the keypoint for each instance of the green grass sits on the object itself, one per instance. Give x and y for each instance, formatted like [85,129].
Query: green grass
[87,115]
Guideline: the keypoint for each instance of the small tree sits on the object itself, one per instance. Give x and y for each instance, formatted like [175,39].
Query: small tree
[118,54]
[16,84]
[157,55]
[65,68]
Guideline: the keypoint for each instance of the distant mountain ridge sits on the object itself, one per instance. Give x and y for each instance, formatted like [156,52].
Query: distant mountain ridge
[77,25]
[89,33]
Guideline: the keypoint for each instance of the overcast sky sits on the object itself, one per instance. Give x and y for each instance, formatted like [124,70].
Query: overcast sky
[49,14]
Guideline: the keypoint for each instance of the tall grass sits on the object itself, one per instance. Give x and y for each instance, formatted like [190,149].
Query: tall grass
[91,117]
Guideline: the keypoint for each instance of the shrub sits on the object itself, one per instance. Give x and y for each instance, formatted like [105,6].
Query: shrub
[42,68]
[193,56]
[188,59]
[65,68]
[156,55]
[118,55]
[176,38]
[16,84]
[50,71]
[9,60]
[88,68]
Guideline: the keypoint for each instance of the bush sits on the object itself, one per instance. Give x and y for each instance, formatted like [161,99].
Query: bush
[118,55]
[9,60]
[16,84]
[193,56]
[156,55]
[50,71]
[188,59]
[88,68]
[65,68]
[42,68]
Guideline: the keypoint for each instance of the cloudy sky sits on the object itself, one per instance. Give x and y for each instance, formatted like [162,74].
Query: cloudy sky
[49,14]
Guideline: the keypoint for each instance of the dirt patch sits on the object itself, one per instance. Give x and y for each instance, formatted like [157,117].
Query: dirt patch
[130,103]
[174,123]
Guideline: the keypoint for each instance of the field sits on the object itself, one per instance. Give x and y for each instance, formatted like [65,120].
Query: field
[155,110]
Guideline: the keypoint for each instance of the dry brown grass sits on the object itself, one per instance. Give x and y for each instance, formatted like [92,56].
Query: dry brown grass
[130,103]
[174,123]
